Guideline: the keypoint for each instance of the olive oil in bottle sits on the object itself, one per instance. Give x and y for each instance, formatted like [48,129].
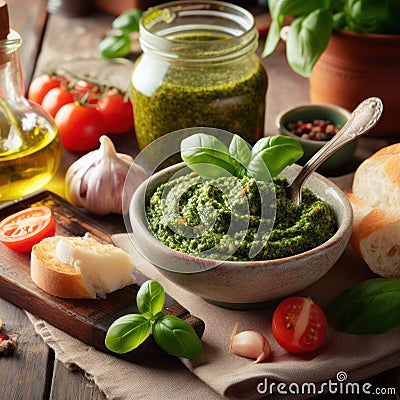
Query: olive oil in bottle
[31,168]
[30,147]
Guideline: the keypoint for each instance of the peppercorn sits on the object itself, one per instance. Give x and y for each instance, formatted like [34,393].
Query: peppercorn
[318,129]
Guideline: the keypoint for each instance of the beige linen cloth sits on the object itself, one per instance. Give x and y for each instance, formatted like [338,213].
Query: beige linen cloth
[219,374]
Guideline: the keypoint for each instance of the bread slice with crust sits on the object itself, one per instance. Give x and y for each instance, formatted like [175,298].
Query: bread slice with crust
[377,179]
[376,237]
[79,267]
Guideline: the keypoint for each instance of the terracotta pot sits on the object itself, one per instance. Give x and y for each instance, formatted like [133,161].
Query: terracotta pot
[356,66]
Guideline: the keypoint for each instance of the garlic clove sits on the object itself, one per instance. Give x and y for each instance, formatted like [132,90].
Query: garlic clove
[250,344]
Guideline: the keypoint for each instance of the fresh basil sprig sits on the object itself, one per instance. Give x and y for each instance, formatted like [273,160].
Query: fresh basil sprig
[371,306]
[209,157]
[314,21]
[175,336]
[118,42]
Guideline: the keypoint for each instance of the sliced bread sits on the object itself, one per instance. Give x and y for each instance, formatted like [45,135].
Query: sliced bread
[377,179]
[376,237]
[79,267]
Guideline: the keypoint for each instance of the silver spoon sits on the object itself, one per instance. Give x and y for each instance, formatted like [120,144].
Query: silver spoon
[361,120]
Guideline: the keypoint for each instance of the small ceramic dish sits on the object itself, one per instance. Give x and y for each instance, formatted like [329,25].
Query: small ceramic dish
[237,284]
[309,112]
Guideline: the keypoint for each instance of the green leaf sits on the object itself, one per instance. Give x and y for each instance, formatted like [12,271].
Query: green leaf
[127,333]
[308,37]
[274,153]
[366,15]
[239,149]
[339,20]
[150,297]
[295,7]
[128,21]
[371,306]
[209,157]
[115,46]
[278,9]
[176,337]
[274,34]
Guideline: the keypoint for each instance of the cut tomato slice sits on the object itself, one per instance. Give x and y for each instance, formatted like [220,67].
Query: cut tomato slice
[299,325]
[22,230]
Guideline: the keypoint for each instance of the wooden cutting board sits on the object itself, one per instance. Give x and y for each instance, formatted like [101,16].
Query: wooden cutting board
[86,319]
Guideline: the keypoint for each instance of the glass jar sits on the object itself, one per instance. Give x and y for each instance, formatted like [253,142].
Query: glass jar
[30,147]
[198,68]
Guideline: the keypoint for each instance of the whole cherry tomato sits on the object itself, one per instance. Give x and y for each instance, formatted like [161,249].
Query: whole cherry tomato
[80,126]
[40,86]
[299,325]
[117,111]
[55,98]
[22,230]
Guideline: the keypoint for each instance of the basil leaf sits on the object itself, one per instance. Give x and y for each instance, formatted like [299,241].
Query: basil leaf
[176,337]
[150,297]
[274,34]
[128,21]
[371,306]
[274,153]
[127,333]
[115,46]
[295,7]
[278,9]
[308,37]
[209,157]
[239,149]
[367,15]
[339,20]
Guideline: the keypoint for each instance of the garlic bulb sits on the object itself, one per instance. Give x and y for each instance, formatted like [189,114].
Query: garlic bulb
[250,344]
[96,180]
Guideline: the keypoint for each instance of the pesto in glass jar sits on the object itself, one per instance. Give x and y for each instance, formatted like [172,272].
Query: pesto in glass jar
[198,68]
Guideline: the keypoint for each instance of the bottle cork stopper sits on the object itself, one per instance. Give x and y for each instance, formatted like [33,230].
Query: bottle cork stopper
[4,30]
[4,20]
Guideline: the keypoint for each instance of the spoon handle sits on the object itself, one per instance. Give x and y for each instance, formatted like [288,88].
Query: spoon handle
[361,120]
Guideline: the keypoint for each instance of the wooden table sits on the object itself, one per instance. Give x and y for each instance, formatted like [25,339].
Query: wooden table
[33,373]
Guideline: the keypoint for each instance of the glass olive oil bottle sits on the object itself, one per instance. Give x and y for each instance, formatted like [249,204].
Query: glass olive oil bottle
[30,147]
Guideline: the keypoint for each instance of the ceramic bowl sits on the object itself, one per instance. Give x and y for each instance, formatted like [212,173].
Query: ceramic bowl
[308,112]
[248,284]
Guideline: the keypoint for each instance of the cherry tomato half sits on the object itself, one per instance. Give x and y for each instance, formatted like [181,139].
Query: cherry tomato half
[40,86]
[299,325]
[80,126]
[22,230]
[55,98]
[117,112]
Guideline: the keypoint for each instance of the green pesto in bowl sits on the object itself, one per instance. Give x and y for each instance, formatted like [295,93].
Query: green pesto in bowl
[194,216]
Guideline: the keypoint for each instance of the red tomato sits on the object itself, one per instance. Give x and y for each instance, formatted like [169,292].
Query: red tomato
[118,113]
[40,86]
[299,325]
[55,98]
[22,230]
[80,127]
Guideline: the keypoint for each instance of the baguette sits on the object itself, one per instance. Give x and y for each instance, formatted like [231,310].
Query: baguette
[377,179]
[375,199]
[79,267]
[376,237]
